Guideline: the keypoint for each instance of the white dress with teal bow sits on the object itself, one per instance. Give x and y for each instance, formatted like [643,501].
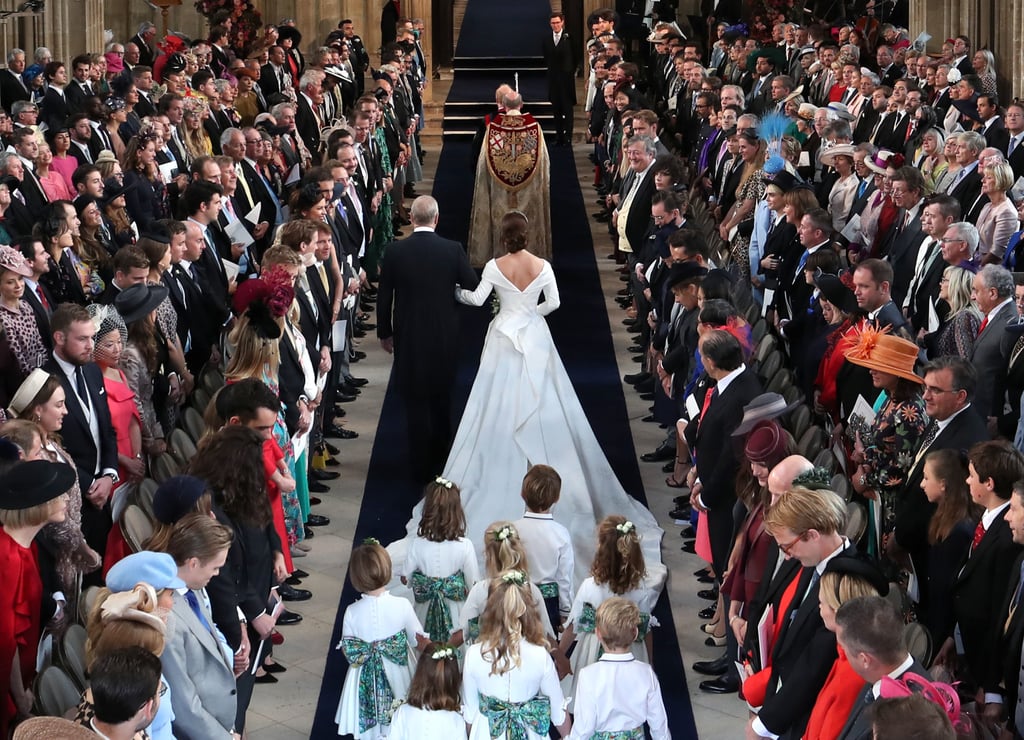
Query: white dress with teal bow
[413,723]
[372,632]
[441,560]
[477,600]
[588,648]
[518,703]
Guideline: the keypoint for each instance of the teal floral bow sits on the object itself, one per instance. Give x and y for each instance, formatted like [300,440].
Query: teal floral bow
[634,734]
[435,590]
[548,590]
[375,693]
[474,629]
[587,622]
[513,719]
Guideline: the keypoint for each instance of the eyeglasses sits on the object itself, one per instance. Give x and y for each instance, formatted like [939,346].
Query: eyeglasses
[947,240]
[788,547]
[931,390]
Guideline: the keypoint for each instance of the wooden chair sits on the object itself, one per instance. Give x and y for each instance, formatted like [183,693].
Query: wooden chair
[163,467]
[181,447]
[56,694]
[799,420]
[71,654]
[144,495]
[136,526]
[192,422]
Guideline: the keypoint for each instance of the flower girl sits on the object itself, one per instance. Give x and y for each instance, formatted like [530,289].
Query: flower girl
[433,709]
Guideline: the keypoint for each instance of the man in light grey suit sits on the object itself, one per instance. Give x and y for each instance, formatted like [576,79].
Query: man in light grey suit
[197,661]
[993,292]
[870,631]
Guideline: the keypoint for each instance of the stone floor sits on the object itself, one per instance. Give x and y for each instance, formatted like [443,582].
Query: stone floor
[284,711]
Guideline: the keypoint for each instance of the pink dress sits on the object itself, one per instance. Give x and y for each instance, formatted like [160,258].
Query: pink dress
[56,187]
[65,166]
[121,401]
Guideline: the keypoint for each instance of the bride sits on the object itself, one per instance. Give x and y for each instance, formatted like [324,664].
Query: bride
[523,411]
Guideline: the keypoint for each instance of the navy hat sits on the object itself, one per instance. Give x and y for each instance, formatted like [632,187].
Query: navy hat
[685,271]
[32,483]
[785,180]
[862,568]
[175,63]
[138,301]
[176,497]
[158,569]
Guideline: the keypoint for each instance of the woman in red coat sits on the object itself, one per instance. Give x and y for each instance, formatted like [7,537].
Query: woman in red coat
[843,579]
[32,495]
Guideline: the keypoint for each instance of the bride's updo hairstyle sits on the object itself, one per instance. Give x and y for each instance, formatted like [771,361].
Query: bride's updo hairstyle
[515,231]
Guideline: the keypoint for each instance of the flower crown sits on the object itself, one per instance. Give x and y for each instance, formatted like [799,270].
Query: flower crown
[504,533]
[625,528]
[371,541]
[514,576]
[443,482]
[443,652]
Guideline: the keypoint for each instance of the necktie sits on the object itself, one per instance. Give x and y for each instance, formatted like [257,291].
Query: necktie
[979,533]
[803,261]
[984,323]
[323,277]
[42,297]
[193,602]
[861,188]
[342,212]
[930,433]
[194,275]
[83,392]
[707,403]
[1013,144]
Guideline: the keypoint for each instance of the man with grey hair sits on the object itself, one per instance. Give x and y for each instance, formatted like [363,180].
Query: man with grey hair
[418,323]
[632,214]
[966,186]
[311,95]
[993,294]
[144,41]
[12,86]
[960,243]
[732,95]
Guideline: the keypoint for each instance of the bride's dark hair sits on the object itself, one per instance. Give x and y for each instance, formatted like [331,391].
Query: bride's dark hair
[515,231]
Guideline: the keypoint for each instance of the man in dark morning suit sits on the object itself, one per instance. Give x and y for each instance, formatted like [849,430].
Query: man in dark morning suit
[12,86]
[950,384]
[901,244]
[560,60]
[87,434]
[678,344]
[635,194]
[307,100]
[36,294]
[938,213]
[807,525]
[206,309]
[144,40]
[711,435]
[870,631]
[966,186]
[981,584]
[994,289]
[418,323]
[892,131]
[54,109]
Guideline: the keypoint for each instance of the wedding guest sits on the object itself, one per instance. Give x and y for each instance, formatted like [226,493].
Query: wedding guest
[16,315]
[62,280]
[115,211]
[40,399]
[63,162]
[114,117]
[93,245]
[32,495]
[961,319]
[53,182]
[147,201]
[126,690]
[998,219]
[145,359]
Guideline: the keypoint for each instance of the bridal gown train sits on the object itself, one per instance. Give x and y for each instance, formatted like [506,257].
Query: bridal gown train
[522,411]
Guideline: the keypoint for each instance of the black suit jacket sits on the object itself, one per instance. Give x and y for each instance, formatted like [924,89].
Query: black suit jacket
[146,54]
[76,96]
[306,125]
[968,190]
[718,465]
[981,585]
[859,721]
[639,216]
[54,109]
[42,314]
[900,250]
[12,89]
[892,132]
[801,659]
[561,65]
[75,434]
[416,307]
[927,291]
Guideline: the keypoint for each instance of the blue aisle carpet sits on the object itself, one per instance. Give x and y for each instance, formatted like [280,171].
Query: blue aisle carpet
[503,28]
[582,333]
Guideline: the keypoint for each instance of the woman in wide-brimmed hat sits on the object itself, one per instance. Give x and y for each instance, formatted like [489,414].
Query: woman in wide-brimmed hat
[884,448]
[839,309]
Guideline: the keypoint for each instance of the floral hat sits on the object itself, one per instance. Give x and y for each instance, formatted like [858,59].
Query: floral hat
[880,351]
[14,261]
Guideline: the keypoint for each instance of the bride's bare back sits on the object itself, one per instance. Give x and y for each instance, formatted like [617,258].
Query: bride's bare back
[520,268]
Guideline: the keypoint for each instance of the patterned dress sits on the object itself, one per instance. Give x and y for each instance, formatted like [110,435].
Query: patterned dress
[383,228]
[23,336]
[889,449]
[290,500]
[752,189]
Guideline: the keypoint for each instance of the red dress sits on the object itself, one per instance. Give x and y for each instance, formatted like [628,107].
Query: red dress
[20,601]
[272,455]
[835,701]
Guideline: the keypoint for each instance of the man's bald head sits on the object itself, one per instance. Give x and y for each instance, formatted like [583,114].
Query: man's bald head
[781,478]
[513,101]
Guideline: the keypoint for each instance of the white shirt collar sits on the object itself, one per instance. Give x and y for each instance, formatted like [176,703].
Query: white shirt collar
[722,384]
[820,567]
[991,515]
[992,314]
[876,687]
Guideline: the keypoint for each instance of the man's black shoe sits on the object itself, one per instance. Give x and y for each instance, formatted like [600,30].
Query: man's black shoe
[314,500]
[682,501]
[317,487]
[340,432]
[708,613]
[660,455]
[358,355]
[722,685]
[635,348]
[705,579]
[649,418]
[712,667]
[681,514]
[293,581]
[331,448]
[290,593]
[708,594]
[636,328]
[342,397]
[315,520]
[688,533]
[636,378]
[286,618]
[323,475]
[300,573]
[308,532]
[646,386]
[355,382]
[688,547]
[668,468]
[358,333]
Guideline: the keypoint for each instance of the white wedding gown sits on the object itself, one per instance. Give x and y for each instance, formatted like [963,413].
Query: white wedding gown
[522,411]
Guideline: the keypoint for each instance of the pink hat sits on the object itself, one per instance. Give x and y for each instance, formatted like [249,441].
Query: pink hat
[115,62]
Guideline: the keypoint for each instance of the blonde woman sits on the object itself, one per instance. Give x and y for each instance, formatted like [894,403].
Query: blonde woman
[509,675]
[961,322]
[193,134]
[748,193]
[998,219]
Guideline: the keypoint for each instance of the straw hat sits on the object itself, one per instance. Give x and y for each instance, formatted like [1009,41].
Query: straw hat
[807,111]
[878,162]
[885,353]
[828,157]
[50,728]
[797,92]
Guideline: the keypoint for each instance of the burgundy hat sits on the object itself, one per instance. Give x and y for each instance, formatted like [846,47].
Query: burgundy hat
[766,443]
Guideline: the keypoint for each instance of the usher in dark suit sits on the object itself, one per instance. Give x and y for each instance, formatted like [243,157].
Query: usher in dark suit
[416,308]
[560,61]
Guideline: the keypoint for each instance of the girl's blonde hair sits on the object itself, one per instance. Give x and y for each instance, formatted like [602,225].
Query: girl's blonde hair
[509,617]
[443,519]
[503,549]
[618,562]
[838,588]
[124,619]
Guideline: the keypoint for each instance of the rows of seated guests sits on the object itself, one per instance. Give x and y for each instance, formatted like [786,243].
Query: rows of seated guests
[817,234]
[176,217]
